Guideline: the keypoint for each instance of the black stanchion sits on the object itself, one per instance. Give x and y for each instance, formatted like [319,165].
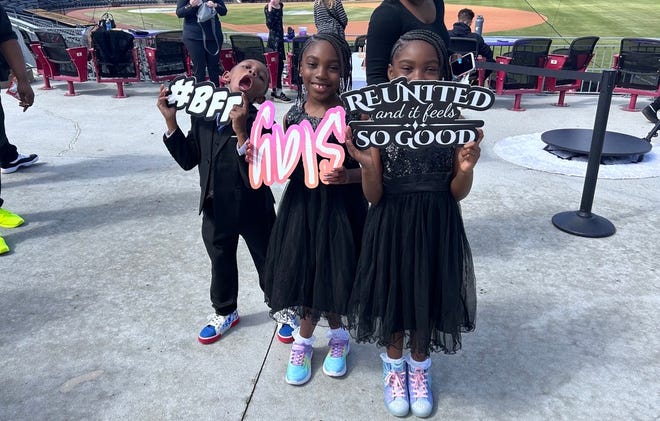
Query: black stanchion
[583,222]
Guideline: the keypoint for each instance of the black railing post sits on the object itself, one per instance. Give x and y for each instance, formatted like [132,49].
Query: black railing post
[583,222]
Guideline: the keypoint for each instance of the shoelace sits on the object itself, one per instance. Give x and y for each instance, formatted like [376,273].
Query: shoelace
[395,379]
[419,383]
[336,348]
[297,355]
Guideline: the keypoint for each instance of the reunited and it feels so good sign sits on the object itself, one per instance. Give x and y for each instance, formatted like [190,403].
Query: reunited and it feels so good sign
[416,114]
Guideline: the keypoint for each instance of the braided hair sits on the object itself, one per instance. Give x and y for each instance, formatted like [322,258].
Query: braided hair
[343,52]
[429,37]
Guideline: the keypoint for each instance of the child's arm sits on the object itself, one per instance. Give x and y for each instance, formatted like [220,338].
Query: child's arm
[184,149]
[372,170]
[466,159]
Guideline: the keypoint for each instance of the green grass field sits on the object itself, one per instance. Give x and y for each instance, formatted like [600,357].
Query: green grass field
[605,18]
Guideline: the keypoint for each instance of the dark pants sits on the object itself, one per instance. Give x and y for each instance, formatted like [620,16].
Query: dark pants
[280,64]
[8,152]
[202,59]
[221,246]
[656,104]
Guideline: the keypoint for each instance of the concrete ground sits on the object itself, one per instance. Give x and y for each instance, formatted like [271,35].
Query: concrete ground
[106,287]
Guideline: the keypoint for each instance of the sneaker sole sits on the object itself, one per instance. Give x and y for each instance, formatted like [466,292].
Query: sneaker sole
[299,382]
[212,339]
[14,169]
[285,339]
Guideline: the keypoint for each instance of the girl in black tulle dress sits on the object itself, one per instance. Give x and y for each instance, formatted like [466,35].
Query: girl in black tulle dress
[414,285]
[313,249]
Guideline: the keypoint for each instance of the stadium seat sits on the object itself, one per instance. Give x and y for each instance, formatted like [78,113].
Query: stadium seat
[246,46]
[167,56]
[115,59]
[58,61]
[638,63]
[576,57]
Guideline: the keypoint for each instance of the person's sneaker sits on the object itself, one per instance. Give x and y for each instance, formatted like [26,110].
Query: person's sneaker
[395,387]
[286,323]
[280,97]
[299,369]
[21,161]
[650,114]
[217,326]
[419,388]
[334,364]
[4,248]
[9,219]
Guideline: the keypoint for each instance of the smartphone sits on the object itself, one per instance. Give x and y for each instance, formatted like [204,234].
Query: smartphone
[462,65]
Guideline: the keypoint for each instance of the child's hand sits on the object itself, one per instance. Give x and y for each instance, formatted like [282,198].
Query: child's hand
[169,113]
[469,154]
[249,152]
[334,176]
[238,117]
[363,157]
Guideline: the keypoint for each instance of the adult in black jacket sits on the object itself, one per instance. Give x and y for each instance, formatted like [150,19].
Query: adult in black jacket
[203,40]
[462,29]
[393,18]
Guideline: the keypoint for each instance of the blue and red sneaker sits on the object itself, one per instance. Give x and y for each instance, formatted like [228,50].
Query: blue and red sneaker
[217,326]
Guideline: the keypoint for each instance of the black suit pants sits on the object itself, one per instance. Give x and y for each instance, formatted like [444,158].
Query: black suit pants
[221,245]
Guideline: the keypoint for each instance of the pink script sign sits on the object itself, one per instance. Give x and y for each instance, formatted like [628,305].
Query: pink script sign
[276,154]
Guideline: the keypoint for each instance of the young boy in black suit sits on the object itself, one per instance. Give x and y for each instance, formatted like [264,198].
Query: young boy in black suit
[229,206]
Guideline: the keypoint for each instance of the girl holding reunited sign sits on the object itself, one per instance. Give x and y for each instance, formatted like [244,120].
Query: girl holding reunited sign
[415,285]
[314,245]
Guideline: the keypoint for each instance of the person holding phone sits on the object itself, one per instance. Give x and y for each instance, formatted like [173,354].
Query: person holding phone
[462,29]
[203,40]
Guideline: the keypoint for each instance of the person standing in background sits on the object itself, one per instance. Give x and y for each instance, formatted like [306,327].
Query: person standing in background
[273,11]
[10,51]
[330,17]
[390,20]
[203,40]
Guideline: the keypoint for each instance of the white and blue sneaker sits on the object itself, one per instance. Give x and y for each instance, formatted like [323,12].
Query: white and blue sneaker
[395,386]
[286,324]
[419,388]
[217,326]
[299,369]
[334,364]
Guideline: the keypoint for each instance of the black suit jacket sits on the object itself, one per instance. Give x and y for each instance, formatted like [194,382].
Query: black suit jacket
[221,168]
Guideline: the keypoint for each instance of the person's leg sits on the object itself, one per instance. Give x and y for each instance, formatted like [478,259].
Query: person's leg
[299,367]
[221,248]
[651,111]
[277,93]
[334,364]
[10,159]
[419,377]
[213,61]
[198,56]
[394,377]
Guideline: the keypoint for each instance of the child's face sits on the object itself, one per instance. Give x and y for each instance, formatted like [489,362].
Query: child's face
[320,70]
[249,77]
[416,60]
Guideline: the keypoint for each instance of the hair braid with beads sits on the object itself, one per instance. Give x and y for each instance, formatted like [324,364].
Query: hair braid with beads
[343,51]
[429,37]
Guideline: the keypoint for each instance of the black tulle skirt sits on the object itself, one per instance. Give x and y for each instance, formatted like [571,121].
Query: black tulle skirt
[415,273]
[314,247]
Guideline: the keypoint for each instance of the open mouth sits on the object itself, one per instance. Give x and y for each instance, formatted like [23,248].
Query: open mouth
[245,83]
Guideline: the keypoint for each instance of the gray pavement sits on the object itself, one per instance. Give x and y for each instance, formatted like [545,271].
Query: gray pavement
[106,287]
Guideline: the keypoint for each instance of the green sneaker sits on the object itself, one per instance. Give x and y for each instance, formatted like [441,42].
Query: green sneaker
[9,219]
[4,248]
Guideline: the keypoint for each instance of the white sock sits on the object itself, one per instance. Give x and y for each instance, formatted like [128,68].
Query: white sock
[297,339]
[389,360]
[424,365]
[339,333]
